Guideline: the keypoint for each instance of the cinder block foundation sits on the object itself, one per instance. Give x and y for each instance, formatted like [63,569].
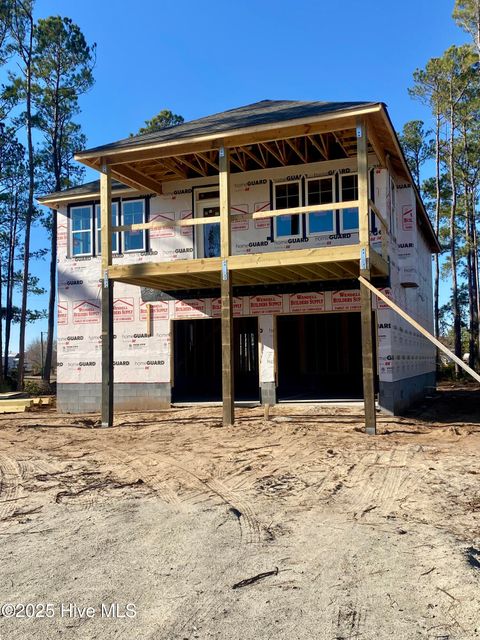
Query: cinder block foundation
[396,397]
[268,393]
[128,396]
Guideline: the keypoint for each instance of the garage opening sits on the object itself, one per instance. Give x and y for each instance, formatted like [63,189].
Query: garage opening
[319,357]
[197,352]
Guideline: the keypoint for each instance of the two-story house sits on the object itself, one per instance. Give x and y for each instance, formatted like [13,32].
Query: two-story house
[219,260]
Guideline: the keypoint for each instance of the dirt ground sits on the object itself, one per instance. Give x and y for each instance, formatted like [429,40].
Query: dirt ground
[361,537]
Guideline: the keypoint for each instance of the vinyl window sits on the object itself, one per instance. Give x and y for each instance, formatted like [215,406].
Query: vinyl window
[133,212]
[81,224]
[286,196]
[321,191]
[98,223]
[349,191]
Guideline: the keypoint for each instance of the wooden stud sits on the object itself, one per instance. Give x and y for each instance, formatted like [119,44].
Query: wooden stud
[148,311]
[418,327]
[107,296]
[368,360]
[226,290]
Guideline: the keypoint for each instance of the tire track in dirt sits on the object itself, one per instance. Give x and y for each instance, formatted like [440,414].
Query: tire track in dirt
[10,485]
[381,480]
[156,480]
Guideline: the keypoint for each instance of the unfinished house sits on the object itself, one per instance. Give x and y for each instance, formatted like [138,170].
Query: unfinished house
[219,260]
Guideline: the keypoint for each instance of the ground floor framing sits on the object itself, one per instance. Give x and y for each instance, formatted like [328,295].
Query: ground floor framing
[289,357]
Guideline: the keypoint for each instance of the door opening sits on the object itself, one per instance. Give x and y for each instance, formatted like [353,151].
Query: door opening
[197,353]
[320,357]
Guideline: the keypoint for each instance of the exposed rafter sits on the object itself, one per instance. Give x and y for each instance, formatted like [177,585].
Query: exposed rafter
[294,144]
[133,178]
[274,153]
[260,161]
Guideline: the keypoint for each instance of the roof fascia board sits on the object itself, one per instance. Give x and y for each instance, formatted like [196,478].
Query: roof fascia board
[171,146]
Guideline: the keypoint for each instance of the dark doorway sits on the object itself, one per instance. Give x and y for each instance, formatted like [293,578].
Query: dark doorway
[319,357]
[197,352]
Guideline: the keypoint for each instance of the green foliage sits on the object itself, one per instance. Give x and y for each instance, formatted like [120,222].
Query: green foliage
[162,120]
[417,146]
[466,14]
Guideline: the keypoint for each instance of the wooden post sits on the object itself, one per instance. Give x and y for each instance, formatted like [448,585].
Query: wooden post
[226,290]
[107,296]
[368,360]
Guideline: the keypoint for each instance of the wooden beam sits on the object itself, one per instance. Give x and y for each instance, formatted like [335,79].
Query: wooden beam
[188,222]
[341,253]
[368,360]
[293,144]
[208,160]
[260,161]
[195,167]
[377,146]
[274,152]
[136,179]
[420,329]
[226,290]
[258,215]
[176,267]
[318,147]
[107,296]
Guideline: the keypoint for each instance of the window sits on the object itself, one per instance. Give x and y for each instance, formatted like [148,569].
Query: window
[133,212]
[81,226]
[287,196]
[207,238]
[98,223]
[349,191]
[321,191]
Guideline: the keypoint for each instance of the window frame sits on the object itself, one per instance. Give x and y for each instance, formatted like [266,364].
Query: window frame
[198,205]
[321,233]
[98,228]
[284,238]
[73,232]
[340,199]
[143,231]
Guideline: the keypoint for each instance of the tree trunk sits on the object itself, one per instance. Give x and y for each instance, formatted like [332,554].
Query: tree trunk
[457,322]
[30,208]
[10,275]
[51,299]
[437,228]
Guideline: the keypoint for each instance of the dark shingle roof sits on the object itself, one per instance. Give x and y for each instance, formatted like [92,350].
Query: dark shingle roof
[88,188]
[258,113]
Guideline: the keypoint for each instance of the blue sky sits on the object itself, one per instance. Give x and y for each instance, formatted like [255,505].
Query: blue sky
[197,58]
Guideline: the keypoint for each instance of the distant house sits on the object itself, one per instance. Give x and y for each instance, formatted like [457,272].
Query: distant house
[228,265]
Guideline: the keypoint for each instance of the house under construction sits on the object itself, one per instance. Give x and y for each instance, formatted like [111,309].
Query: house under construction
[219,260]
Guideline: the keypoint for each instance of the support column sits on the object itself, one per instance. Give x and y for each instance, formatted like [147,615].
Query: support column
[107,296]
[368,354]
[226,290]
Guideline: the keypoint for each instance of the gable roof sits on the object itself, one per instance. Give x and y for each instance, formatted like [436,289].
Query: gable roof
[259,113]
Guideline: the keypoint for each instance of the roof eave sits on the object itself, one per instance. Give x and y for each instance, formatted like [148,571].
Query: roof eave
[97,153]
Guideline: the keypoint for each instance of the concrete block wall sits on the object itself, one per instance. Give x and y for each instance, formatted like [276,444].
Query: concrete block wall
[87,398]
[396,397]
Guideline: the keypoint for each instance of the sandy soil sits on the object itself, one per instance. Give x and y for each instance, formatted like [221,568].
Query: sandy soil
[365,537]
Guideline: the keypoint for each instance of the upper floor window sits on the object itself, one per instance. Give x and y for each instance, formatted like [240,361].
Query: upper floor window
[133,212]
[321,191]
[287,195]
[349,191]
[82,230]
[98,223]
